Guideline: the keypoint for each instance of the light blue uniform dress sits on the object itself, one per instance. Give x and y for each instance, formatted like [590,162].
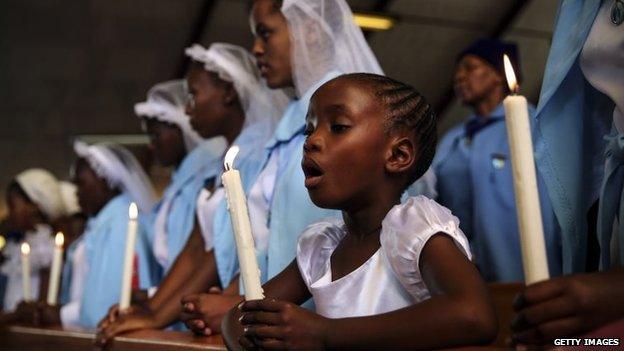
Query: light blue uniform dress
[570,130]
[474,180]
[105,242]
[65,294]
[249,164]
[291,209]
[181,198]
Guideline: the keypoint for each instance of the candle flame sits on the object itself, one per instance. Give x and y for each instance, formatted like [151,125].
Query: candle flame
[133,211]
[59,239]
[510,74]
[2,242]
[229,157]
[25,249]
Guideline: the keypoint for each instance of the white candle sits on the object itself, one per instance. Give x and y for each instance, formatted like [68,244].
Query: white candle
[55,272]
[528,207]
[26,271]
[126,278]
[237,206]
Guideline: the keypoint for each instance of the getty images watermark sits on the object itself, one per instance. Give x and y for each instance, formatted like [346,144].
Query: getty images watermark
[587,342]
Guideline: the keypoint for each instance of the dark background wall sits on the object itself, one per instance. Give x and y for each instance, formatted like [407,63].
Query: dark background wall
[76,67]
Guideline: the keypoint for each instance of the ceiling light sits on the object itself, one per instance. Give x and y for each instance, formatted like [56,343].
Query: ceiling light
[373,22]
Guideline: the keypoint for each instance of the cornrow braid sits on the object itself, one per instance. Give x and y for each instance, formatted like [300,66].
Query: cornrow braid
[407,110]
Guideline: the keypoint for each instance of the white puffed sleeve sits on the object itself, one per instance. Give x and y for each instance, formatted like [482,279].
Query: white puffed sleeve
[405,231]
[315,246]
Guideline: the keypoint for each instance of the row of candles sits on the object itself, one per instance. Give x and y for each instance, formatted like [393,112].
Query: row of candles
[237,206]
[57,262]
[525,188]
[55,272]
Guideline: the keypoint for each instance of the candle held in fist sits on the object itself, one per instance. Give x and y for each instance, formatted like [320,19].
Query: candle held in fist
[55,272]
[126,279]
[528,207]
[237,206]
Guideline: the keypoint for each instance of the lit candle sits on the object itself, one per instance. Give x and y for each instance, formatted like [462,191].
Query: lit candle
[55,273]
[237,206]
[528,207]
[2,242]
[126,278]
[26,271]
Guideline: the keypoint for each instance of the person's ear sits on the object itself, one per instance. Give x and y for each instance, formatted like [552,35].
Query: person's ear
[230,95]
[401,155]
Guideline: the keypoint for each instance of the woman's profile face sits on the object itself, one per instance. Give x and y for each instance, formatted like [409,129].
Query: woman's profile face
[93,192]
[166,142]
[272,46]
[207,104]
[22,211]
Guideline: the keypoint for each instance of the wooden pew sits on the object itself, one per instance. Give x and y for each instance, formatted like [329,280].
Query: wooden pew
[36,339]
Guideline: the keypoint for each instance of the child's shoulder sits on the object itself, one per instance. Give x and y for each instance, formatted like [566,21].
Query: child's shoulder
[405,232]
[315,246]
[419,215]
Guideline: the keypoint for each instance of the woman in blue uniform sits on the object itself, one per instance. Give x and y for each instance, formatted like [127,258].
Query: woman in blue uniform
[473,168]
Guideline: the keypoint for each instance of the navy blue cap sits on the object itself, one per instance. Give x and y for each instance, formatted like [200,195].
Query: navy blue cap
[491,51]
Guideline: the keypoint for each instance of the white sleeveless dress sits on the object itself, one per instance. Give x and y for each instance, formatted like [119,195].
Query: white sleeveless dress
[388,280]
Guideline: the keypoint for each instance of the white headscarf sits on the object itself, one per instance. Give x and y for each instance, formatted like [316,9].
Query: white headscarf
[236,65]
[120,169]
[70,198]
[166,102]
[43,189]
[324,37]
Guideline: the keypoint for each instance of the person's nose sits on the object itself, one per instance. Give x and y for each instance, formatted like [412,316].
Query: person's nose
[257,48]
[314,142]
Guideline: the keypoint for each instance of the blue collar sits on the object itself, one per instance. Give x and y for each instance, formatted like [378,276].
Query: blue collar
[293,122]
[477,123]
[198,161]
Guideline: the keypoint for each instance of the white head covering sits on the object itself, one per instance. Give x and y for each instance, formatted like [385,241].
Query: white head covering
[120,169]
[43,189]
[166,102]
[236,65]
[324,37]
[70,198]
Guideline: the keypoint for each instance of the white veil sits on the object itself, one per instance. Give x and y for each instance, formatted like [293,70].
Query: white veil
[166,102]
[236,65]
[324,37]
[120,169]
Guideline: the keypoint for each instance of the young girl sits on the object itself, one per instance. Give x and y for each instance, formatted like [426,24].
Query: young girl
[388,273]
[299,45]
[227,99]
[34,202]
[109,178]
[174,142]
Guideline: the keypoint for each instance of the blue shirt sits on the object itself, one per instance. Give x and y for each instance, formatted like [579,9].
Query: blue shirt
[201,163]
[65,294]
[105,242]
[475,182]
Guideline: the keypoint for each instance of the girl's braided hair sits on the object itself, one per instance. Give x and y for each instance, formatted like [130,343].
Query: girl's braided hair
[407,111]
